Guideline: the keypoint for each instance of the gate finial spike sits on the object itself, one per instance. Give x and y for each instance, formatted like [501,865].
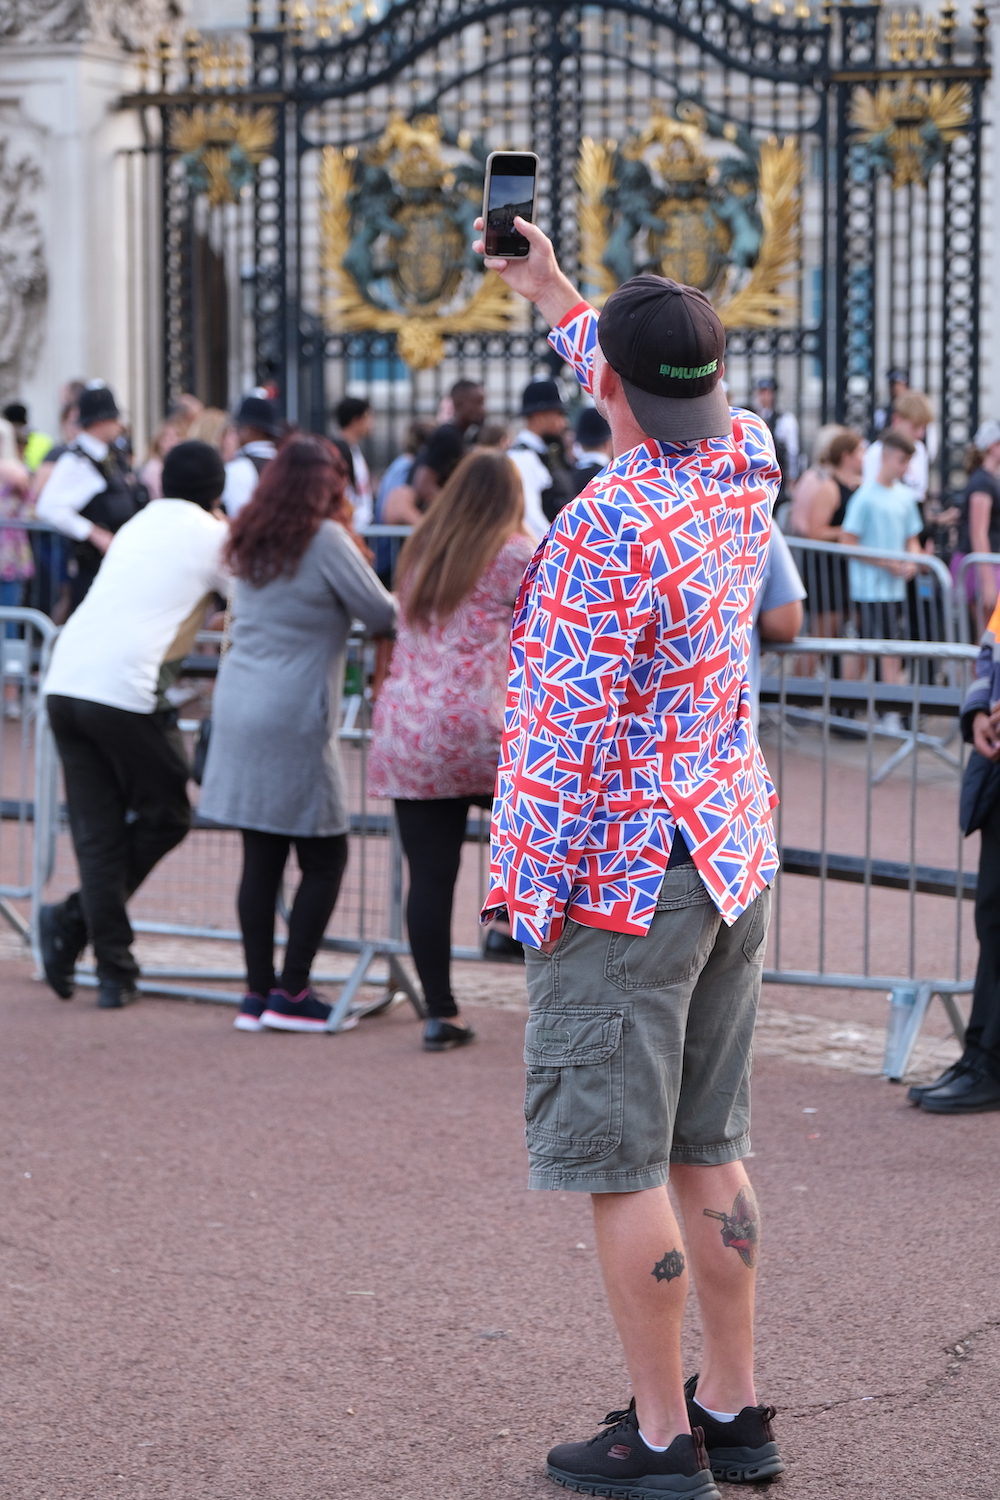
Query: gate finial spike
[980,21]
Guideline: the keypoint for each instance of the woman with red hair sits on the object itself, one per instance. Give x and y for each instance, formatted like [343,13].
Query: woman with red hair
[273,767]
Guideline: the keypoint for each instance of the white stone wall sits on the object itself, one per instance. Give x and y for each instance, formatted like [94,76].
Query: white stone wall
[58,114]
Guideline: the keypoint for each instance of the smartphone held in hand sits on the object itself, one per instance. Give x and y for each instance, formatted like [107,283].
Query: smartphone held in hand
[509,192]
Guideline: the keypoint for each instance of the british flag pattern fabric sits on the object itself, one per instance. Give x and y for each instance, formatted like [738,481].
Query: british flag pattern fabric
[627,711]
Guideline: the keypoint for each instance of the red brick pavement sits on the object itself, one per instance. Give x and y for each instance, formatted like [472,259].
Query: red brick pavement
[293,1268]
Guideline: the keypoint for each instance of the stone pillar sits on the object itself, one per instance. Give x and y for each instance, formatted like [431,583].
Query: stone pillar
[72,248]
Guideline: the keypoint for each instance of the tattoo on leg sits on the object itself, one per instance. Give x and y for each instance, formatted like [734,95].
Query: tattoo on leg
[740,1229]
[670,1266]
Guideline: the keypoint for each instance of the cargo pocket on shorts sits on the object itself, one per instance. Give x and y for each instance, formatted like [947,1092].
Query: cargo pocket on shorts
[574,1093]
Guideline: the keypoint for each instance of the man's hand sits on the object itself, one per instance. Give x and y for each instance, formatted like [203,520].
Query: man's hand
[100,538]
[986,734]
[536,275]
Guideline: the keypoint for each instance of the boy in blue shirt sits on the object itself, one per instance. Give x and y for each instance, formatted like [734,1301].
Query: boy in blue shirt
[883,513]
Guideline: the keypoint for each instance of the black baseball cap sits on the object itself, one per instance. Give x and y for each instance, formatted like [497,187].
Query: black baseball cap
[666,342]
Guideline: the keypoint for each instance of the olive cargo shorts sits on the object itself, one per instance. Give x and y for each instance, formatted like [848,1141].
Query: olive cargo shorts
[638,1049]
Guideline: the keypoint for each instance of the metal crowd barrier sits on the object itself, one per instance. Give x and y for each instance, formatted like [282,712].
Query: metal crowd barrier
[28,771]
[875,890]
[47,587]
[974,604]
[830,610]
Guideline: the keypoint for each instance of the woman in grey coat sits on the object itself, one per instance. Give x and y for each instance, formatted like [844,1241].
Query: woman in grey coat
[273,768]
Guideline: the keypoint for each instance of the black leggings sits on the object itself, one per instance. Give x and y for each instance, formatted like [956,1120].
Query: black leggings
[322,862]
[432,834]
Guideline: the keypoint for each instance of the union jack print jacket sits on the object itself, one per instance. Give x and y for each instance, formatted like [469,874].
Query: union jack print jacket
[627,710]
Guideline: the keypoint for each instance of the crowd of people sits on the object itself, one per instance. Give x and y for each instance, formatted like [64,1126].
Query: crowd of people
[569,636]
[878,494]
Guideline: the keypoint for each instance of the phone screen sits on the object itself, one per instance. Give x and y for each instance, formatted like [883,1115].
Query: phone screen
[511,192]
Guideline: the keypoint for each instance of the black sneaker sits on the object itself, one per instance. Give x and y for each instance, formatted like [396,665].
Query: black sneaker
[743,1450]
[61,944]
[114,996]
[618,1462]
[248,1017]
[305,1012]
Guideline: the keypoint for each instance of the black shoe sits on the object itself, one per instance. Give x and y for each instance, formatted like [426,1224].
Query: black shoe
[501,948]
[741,1451]
[440,1035]
[971,1092]
[305,1012]
[61,944]
[918,1090]
[617,1462]
[114,996]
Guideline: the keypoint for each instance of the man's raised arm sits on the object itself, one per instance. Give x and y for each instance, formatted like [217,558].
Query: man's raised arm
[536,276]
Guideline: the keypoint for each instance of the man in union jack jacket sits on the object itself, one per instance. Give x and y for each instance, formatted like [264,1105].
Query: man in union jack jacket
[633,853]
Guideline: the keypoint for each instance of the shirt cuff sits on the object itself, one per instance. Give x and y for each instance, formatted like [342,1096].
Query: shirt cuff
[574,312]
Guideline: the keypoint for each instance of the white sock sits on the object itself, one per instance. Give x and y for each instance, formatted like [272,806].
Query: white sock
[720,1416]
[653,1447]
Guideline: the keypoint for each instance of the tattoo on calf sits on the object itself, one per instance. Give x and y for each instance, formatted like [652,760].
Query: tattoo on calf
[670,1266]
[740,1229]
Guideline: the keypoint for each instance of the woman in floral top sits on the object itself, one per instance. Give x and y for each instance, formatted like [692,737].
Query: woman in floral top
[439,716]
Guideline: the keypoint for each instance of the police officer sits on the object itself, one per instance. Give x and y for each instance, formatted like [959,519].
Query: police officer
[90,493]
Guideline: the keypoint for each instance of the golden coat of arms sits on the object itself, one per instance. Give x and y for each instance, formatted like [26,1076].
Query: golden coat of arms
[222,147]
[396,226]
[906,129]
[660,202]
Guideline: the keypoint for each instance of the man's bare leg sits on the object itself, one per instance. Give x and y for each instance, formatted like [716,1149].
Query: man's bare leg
[722,1232]
[643,1262]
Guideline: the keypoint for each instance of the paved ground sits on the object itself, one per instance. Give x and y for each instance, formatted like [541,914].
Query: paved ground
[292,1268]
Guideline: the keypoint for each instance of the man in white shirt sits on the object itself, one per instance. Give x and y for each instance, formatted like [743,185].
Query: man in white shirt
[88,495]
[258,423]
[124,765]
[355,419]
[540,458]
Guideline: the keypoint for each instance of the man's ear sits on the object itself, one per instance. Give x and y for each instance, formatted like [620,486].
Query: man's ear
[608,382]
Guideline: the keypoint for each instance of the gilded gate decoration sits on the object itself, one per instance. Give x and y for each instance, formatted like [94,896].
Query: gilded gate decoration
[908,127]
[221,147]
[660,202]
[396,241]
[815,167]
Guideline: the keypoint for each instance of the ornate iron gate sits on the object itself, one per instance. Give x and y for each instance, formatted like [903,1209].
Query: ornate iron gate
[817,173]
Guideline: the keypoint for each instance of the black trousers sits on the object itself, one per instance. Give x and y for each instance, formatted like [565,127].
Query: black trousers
[432,835]
[126,792]
[322,862]
[982,1036]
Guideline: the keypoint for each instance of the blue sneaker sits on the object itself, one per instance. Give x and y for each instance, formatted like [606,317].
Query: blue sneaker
[304,1012]
[248,1017]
